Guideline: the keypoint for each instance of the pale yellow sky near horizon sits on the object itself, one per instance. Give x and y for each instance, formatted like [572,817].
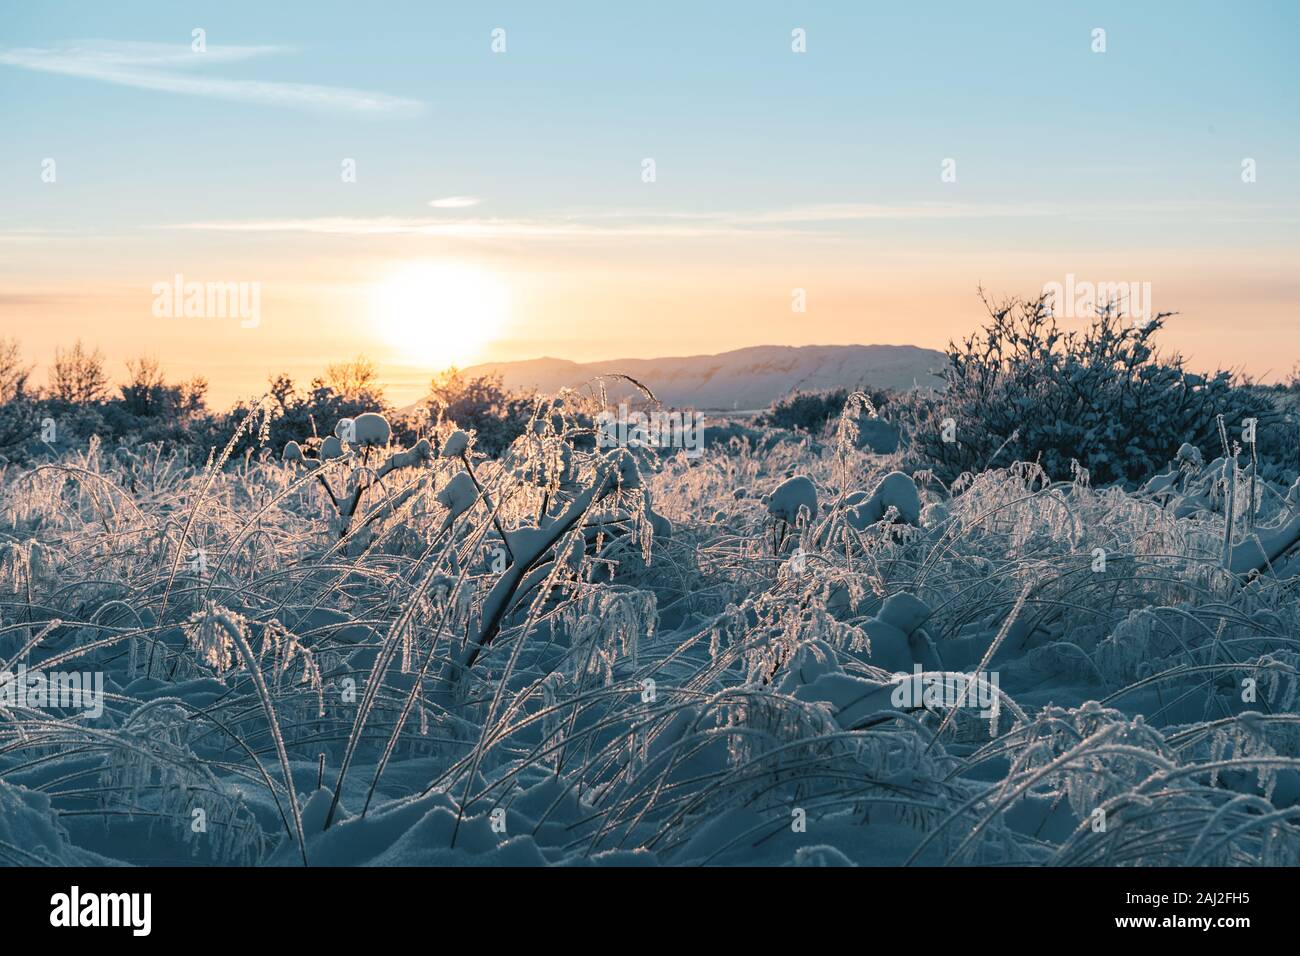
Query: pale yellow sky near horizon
[647,301]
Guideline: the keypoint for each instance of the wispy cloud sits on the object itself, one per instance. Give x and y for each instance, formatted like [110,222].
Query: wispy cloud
[559,229]
[454,202]
[827,220]
[609,224]
[862,212]
[832,214]
[170,68]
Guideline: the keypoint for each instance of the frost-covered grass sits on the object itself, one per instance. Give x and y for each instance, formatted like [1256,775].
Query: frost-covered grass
[569,655]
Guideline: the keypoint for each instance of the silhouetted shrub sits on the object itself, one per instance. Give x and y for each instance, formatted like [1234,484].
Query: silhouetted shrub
[1022,389]
[482,403]
[810,411]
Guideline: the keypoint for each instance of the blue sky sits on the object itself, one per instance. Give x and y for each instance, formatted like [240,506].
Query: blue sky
[819,169]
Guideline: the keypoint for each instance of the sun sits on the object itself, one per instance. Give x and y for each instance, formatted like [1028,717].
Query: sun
[440,313]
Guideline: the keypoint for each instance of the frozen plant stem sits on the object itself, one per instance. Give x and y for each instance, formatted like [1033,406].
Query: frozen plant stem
[1229,511]
[255,672]
[487,502]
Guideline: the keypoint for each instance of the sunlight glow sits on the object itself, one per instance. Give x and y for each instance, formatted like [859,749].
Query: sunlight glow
[440,313]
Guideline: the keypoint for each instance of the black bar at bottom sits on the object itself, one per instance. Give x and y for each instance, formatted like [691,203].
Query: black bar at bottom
[340,906]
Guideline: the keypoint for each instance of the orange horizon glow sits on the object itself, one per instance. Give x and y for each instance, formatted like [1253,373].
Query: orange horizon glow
[417,316]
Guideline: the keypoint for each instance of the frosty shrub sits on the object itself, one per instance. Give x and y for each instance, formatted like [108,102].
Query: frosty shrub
[20,420]
[113,422]
[298,414]
[1024,389]
[810,411]
[497,416]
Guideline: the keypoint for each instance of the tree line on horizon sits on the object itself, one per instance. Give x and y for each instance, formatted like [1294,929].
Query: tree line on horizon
[1102,398]
[80,401]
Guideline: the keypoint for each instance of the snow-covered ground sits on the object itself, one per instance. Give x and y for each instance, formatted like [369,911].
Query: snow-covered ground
[793,656]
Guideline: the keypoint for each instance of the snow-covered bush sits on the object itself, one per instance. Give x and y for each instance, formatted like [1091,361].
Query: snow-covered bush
[811,411]
[1025,389]
[482,404]
[793,497]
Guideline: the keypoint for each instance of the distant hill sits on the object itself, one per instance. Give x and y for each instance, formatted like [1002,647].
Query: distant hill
[748,378]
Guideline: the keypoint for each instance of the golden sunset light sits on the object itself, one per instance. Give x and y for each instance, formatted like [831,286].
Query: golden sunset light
[437,313]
